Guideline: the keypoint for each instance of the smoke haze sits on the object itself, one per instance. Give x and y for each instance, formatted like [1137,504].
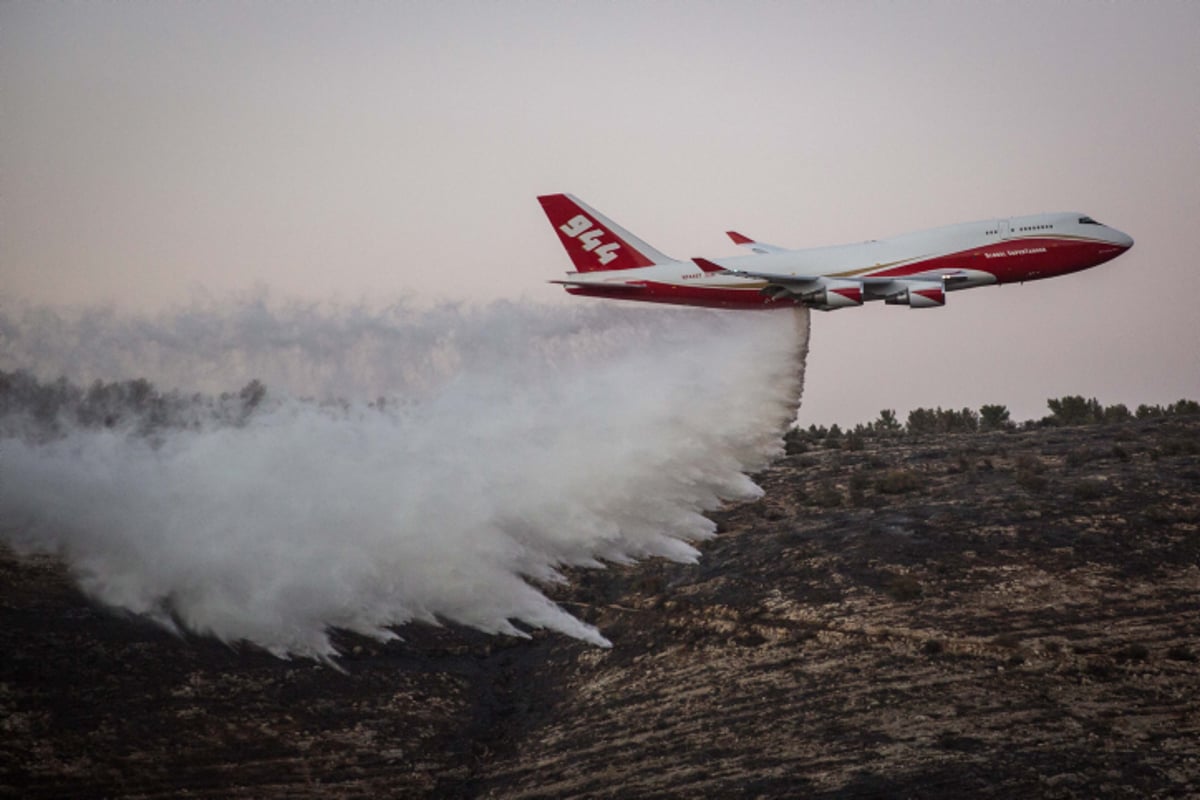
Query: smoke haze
[511,440]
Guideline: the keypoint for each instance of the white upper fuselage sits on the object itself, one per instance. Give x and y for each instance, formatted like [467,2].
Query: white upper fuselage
[919,253]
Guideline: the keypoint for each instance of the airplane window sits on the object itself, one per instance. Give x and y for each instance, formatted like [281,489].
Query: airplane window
[1087,221]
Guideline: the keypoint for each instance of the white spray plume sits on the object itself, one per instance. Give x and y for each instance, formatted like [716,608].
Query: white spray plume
[520,438]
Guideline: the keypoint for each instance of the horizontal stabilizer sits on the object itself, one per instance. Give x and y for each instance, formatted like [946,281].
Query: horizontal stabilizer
[604,286]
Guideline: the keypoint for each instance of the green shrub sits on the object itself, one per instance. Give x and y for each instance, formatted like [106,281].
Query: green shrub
[994,418]
[887,422]
[1074,410]
[1183,407]
[1145,412]
[1117,413]
[921,420]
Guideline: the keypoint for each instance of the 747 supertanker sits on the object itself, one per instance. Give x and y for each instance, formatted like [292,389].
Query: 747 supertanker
[912,269]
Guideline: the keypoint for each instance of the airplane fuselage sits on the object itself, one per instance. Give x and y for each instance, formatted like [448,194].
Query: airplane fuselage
[952,257]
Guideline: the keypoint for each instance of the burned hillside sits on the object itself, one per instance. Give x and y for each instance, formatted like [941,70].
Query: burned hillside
[1006,613]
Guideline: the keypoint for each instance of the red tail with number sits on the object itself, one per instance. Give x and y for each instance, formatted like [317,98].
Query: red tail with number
[593,241]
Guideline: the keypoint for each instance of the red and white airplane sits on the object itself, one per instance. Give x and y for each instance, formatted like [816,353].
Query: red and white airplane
[913,269]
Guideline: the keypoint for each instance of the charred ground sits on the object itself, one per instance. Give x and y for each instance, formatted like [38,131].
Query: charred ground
[1010,613]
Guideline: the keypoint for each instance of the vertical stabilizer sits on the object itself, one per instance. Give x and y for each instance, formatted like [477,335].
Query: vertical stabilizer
[592,240]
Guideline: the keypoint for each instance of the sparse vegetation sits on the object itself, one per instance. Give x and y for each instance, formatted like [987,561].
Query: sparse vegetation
[994,418]
[39,410]
[898,481]
[1030,473]
[1178,447]
[859,483]
[1065,411]
[903,587]
[825,495]
[1176,409]
[887,424]
[1082,455]
[1074,410]
[949,604]
[922,420]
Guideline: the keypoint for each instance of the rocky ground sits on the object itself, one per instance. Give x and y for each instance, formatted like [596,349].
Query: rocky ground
[997,615]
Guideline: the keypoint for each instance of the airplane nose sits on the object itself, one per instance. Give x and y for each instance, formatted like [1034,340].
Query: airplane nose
[1123,239]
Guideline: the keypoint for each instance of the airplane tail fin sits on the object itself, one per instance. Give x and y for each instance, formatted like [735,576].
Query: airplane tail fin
[592,240]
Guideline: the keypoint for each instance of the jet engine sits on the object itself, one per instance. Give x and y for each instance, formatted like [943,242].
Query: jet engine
[834,294]
[919,294]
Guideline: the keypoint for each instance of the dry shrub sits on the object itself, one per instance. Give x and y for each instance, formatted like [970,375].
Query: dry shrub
[898,481]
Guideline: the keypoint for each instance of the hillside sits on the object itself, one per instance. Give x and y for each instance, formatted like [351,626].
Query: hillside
[997,614]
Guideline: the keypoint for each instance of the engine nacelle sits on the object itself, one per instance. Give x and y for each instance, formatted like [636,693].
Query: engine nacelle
[919,294]
[835,294]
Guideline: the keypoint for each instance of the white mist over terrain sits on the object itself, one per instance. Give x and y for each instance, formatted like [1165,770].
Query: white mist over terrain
[513,440]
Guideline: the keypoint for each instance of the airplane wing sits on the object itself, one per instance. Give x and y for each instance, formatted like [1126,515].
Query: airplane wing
[881,286]
[707,265]
[828,293]
[751,244]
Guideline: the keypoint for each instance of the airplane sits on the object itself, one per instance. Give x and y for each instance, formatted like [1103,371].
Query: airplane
[912,269]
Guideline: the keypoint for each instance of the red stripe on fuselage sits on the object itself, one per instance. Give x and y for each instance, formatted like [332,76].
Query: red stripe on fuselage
[1014,260]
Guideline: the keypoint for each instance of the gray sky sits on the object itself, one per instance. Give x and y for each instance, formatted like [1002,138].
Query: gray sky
[151,151]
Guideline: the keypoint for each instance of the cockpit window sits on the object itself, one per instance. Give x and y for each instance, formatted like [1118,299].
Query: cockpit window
[1087,221]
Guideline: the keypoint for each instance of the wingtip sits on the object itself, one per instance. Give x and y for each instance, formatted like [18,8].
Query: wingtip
[739,238]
